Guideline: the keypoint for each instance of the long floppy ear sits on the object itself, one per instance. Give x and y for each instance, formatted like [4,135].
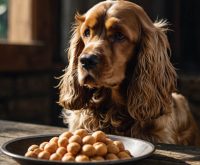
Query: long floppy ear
[72,95]
[154,77]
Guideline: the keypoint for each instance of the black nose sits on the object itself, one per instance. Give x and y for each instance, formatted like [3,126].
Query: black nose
[89,61]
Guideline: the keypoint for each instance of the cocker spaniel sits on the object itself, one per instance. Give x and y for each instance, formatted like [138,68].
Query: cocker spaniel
[119,78]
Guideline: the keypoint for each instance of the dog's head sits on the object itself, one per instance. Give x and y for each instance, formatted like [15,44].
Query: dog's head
[110,41]
[109,32]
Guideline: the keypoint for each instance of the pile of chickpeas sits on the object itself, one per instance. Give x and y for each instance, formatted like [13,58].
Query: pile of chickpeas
[79,146]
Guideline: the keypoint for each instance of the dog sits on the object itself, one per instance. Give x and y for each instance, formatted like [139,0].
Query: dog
[120,79]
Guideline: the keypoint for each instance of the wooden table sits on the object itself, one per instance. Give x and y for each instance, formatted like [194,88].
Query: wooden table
[164,154]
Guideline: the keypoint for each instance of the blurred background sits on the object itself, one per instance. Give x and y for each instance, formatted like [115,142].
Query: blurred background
[34,35]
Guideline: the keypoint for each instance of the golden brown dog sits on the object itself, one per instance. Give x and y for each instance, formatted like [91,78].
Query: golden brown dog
[120,79]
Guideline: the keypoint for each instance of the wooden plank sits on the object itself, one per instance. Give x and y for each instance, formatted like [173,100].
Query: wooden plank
[46,24]
[19,20]
[23,58]
[6,161]
[10,130]
[45,16]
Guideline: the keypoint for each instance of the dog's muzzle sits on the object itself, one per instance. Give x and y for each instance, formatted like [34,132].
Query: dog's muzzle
[89,61]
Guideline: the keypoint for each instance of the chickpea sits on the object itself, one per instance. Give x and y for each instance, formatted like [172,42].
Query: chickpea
[108,141]
[33,147]
[81,158]
[62,142]
[81,132]
[99,136]
[123,155]
[112,148]
[51,147]
[128,152]
[111,156]
[97,158]
[101,148]
[120,145]
[42,145]
[88,150]
[68,158]
[54,139]
[55,156]
[37,151]
[75,138]
[44,155]
[30,154]
[89,139]
[73,148]
[69,154]
[67,134]
[61,151]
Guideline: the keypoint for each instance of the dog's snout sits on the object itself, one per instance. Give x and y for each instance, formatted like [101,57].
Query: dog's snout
[89,61]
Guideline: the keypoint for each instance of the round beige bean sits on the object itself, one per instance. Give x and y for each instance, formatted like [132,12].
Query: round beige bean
[51,147]
[101,148]
[54,139]
[61,151]
[123,155]
[108,141]
[128,152]
[68,158]
[75,138]
[112,148]
[37,151]
[67,134]
[88,150]
[55,156]
[44,155]
[62,142]
[89,139]
[99,136]
[30,154]
[81,132]
[97,158]
[120,145]
[111,156]
[33,147]
[69,154]
[73,148]
[42,145]
[81,158]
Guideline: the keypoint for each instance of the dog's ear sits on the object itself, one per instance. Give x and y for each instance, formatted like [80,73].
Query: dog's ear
[154,77]
[72,95]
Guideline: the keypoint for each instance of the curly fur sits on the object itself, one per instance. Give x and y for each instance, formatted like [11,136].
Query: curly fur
[143,103]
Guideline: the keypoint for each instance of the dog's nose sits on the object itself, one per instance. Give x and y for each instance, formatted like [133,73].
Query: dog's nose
[89,61]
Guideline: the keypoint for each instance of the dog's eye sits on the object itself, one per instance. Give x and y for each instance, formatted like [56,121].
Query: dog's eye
[86,33]
[118,36]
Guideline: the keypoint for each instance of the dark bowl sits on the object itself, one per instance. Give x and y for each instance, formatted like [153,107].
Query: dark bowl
[16,149]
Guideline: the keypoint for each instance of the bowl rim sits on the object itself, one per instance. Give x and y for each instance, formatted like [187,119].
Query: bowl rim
[23,158]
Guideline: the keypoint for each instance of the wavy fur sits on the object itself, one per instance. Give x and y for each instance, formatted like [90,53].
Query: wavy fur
[144,104]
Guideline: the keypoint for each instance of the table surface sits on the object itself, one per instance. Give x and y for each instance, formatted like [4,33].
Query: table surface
[165,154]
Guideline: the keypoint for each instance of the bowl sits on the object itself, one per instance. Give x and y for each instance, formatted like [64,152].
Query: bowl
[16,149]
